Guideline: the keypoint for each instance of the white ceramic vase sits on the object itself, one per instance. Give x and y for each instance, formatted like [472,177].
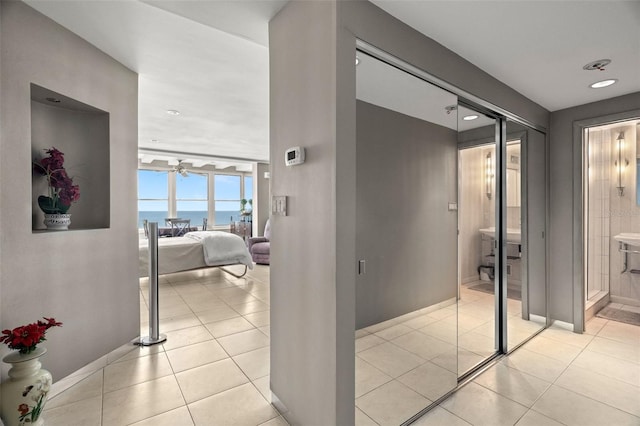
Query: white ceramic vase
[25,393]
[57,221]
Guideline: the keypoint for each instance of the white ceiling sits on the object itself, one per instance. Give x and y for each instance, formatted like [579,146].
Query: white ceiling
[381,84]
[209,59]
[537,47]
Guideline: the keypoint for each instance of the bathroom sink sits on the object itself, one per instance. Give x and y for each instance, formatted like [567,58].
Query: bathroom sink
[631,238]
[513,234]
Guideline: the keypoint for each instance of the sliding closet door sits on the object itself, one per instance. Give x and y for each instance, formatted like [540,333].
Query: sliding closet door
[406,240]
[526,217]
[478,252]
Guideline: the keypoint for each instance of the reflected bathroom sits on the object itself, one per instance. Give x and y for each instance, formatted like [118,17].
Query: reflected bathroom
[612,222]
[525,241]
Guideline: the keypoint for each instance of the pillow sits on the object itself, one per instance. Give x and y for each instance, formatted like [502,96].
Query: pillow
[267,230]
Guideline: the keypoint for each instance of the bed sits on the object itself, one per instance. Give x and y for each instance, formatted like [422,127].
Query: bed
[194,250]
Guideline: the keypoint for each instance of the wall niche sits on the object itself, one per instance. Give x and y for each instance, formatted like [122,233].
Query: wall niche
[81,132]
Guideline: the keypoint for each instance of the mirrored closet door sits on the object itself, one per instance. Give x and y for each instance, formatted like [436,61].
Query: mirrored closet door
[478,253]
[406,240]
[526,233]
[451,204]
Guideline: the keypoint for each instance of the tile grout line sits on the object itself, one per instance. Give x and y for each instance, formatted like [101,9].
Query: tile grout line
[571,390]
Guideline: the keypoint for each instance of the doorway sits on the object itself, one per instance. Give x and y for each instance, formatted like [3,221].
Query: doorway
[611,219]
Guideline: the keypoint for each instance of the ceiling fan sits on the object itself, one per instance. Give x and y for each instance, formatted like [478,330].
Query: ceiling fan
[181,169]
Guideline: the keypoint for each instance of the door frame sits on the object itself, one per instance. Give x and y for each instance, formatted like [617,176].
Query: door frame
[579,220]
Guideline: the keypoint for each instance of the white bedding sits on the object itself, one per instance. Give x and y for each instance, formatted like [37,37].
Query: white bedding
[184,253]
[222,248]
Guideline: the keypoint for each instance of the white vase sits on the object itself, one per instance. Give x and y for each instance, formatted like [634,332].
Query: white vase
[57,221]
[25,393]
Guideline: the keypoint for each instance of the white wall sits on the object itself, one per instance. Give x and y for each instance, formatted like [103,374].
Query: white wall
[624,216]
[261,198]
[599,210]
[471,214]
[85,278]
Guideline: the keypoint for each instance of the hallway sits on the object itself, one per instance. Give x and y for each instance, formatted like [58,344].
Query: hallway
[214,370]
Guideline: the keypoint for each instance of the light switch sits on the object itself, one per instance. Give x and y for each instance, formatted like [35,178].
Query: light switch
[453,207]
[362,267]
[279,205]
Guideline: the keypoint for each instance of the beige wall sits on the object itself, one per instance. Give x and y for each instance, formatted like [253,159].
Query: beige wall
[85,278]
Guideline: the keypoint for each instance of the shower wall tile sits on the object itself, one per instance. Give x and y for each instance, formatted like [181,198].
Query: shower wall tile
[625,215]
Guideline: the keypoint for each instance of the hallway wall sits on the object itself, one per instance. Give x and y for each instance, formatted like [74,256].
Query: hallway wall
[85,278]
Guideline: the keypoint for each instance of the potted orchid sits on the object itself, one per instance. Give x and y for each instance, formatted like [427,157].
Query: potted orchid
[25,393]
[62,191]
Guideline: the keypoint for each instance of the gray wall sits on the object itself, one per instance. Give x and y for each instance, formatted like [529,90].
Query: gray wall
[312,74]
[312,297]
[86,278]
[535,179]
[84,139]
[562,196]
[406,176]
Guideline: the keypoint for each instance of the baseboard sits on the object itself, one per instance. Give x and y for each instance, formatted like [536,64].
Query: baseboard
[564,325]
[79,375]
[282,409]
[471,279]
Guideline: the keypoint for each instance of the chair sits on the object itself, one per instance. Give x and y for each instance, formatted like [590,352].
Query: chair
[179,226]
[259,246]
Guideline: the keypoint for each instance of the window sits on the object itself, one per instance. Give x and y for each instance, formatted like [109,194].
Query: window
[248,189]
[202,194]
[227,198]
[191,197]
[153,196]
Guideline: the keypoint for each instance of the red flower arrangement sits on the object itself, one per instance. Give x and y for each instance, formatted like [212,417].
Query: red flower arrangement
[62,191]
[26,337]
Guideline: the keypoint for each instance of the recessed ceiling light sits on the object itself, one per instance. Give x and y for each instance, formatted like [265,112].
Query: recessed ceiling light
[155,140]
[357,61]
[603,83]
[470,117]
[173,112]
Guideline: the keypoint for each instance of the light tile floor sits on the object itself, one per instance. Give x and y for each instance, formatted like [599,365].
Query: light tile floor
[214,367]
[414,359]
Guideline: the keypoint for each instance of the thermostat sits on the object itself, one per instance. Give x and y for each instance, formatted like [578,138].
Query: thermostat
[294,156]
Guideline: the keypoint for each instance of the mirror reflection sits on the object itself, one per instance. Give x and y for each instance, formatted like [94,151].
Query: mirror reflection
[526,212]
[477,199]
[406,238]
